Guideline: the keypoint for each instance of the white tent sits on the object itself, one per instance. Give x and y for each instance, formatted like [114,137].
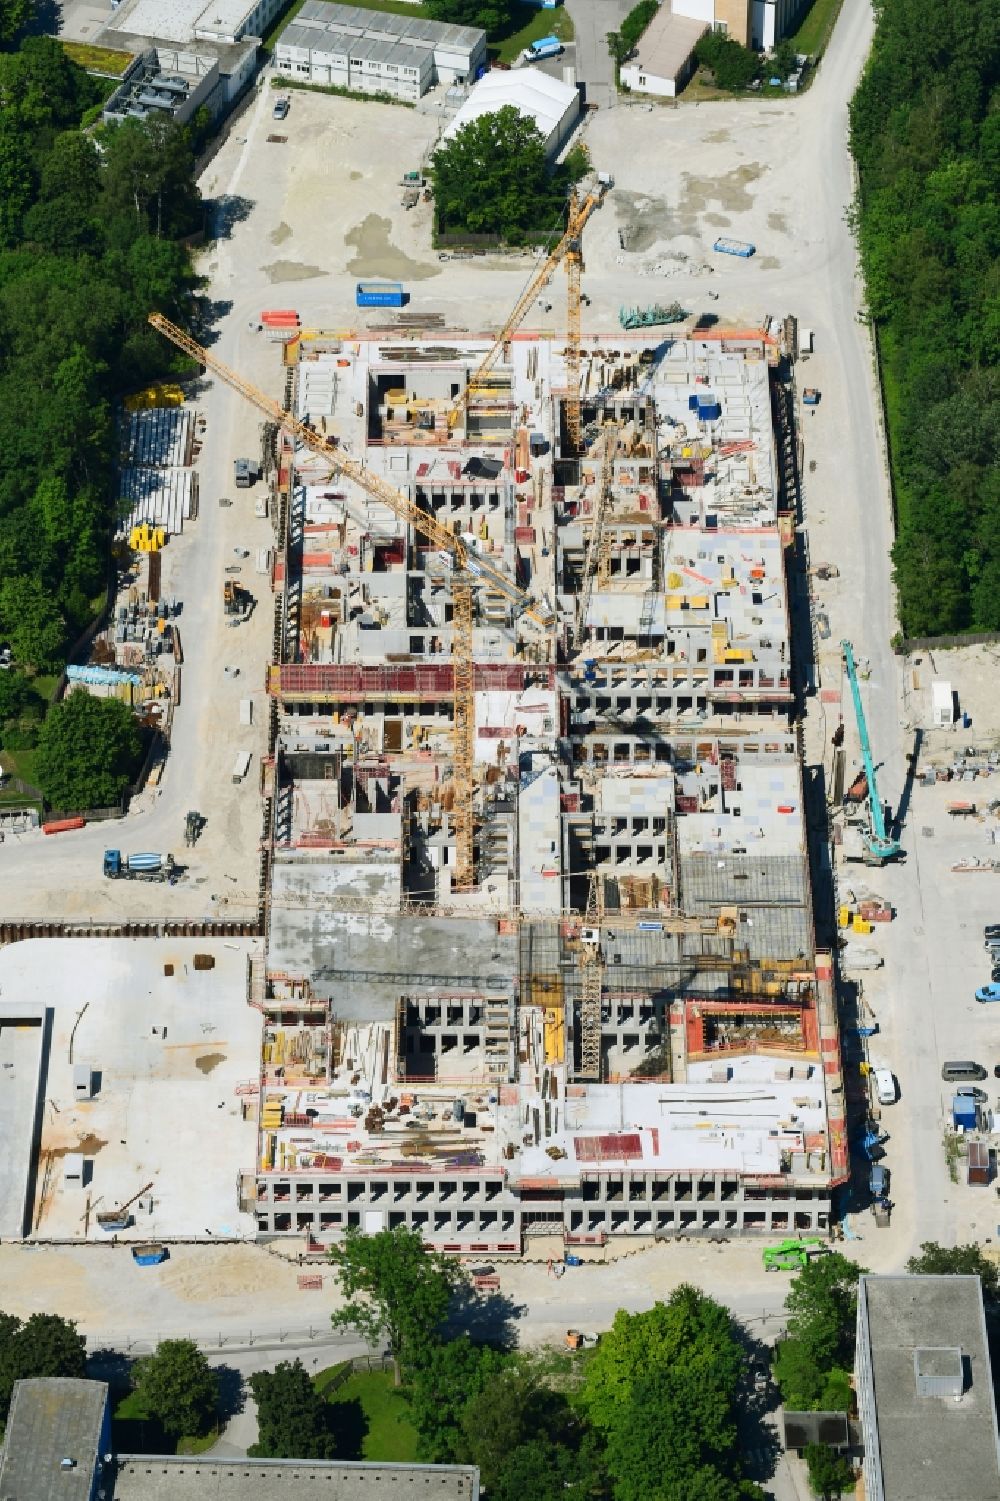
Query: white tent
[552,104]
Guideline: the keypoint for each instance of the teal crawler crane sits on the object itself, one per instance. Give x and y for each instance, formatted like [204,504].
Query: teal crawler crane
[879,847]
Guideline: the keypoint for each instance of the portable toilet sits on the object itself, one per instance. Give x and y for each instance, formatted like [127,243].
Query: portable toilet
[943,704]
[963,1112]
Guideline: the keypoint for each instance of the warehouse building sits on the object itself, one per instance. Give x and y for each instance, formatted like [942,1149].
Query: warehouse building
[552,105]
[664,57]
[189,55]
[925,1390]
[372,52]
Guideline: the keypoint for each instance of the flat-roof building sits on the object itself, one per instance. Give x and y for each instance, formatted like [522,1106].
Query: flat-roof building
[374,52]
[57,1433]
[925,1390]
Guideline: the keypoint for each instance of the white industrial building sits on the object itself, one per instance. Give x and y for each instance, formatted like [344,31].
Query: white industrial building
[553,105]
[372,52]
[226,21]
[664,57]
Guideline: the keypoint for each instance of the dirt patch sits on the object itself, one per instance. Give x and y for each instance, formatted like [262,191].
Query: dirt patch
[767,262]
[209,1061]
[730,192]
[642,220]
[281,234]
[291,271]
[378,256]
[717,137]
[225,1272]
[777,222]
[718,221]
[355,176]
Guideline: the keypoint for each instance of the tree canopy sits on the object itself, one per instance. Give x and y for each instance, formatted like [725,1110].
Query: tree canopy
[964,1261]
[661,1388]
[732,65]
[493,177]
[89,245]
[44,1345]
[813,1362]
[178,1386]
[528,1440]
[926,138]
[293,1420]
[13,15]
[443,1379]
[393,1289]
[830,1474]
[89,752]
[496,17]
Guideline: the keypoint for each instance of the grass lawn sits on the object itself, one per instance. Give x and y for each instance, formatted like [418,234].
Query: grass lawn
[135,1432]
[531,23]
[98,59]
[20,763]
[388,1433]
[813,36]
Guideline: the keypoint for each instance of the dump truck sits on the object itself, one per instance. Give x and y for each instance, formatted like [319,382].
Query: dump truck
[144,867]
[792,1255]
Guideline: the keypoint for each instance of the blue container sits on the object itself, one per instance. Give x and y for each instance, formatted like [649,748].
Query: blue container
[709,410]
[379,294]
[693,400]
[963,1111]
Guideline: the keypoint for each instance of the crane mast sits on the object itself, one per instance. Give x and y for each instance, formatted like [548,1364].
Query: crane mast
[468,566]
[579,213]
[879,846]
[597,530]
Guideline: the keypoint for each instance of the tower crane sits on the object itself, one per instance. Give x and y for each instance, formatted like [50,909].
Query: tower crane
[568,249]
[469,567]
[879,847]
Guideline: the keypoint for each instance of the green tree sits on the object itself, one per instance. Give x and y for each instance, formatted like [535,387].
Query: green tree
[13,15]
[830,1474]
[178,1386]
[292,1418]
[528,1441]
[44,1345]
[661,1389]
[495,17]
[687,1326]
[89,751]
[31,623]
[393,1289]
[732,65]
[443,1379]
[635,24]
[959,1261]
[813,1362]
[493,177]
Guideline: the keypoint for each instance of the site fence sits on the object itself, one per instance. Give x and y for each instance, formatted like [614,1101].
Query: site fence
[904,645]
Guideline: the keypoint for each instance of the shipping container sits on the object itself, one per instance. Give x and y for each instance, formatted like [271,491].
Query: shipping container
[741,248]
[246,711]
[241,765]
[980,1169]
[379,294]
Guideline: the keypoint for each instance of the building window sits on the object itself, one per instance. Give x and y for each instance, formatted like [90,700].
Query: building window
[722,27]
[642,79]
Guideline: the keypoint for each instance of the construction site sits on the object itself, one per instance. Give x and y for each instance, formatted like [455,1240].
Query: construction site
[540,952]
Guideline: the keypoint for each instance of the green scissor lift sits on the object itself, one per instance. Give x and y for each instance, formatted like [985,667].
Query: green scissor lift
[791,1255]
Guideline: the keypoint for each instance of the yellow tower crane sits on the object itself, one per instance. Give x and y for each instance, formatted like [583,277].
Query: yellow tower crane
[596,539]
[568,249]
[468,567]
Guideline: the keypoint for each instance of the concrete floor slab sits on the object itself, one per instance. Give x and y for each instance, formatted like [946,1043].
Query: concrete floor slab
[167,1050]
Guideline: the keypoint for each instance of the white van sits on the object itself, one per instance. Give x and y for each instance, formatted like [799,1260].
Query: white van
[885,1086]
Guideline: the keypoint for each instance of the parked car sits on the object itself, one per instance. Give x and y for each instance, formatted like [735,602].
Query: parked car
[878,1181]
[992,930]
[973,1092]
[988,993]
[959,1070]
[281,108]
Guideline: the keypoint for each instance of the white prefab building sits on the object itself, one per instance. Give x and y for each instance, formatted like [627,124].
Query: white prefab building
[664,59]
[553,105]
[377,53]
[225,21]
